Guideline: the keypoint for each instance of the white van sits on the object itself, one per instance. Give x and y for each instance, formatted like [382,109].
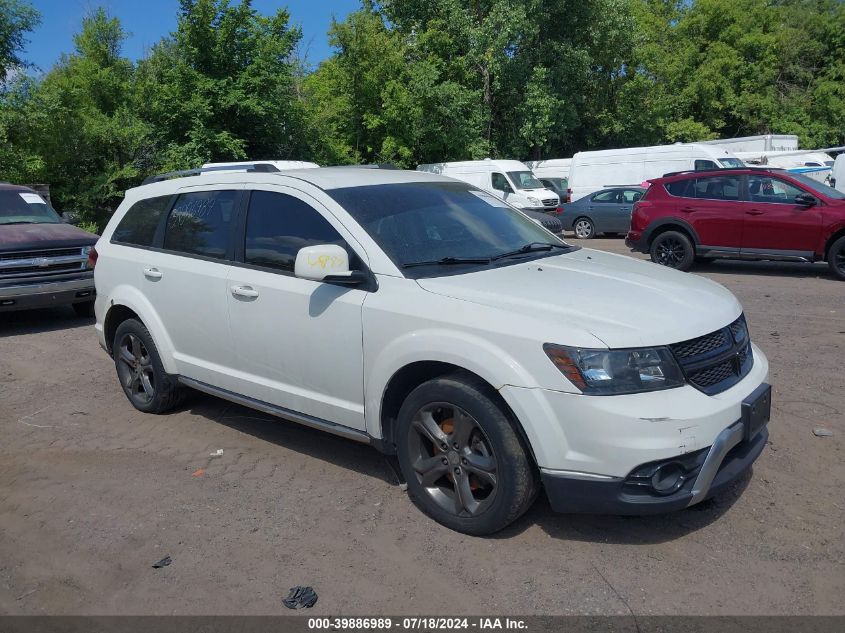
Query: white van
[591,171]
[837,174]
[509,180]
[281,165]
[554,172]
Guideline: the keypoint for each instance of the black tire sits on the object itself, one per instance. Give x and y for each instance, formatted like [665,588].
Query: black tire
[584,228]
[140,372]
[490,460]
[836,258]
[84,309]
[672,249]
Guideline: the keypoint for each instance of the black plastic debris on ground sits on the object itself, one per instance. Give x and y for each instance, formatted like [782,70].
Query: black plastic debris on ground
[300,597]
[164,562]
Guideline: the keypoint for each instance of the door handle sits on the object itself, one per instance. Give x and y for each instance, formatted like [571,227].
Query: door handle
[625,209]
[244,291]
[687,209]
[152,273]
[754,212]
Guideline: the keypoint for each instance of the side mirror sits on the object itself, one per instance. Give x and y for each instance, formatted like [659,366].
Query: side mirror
[326,262]
[69,217]
[805,200]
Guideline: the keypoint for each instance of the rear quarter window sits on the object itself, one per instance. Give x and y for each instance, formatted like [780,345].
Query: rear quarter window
[139,224]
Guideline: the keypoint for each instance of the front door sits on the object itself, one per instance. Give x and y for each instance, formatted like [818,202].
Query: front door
[297,342]
[774,223]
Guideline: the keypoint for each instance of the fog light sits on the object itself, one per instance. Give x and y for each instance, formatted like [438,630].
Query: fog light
[668,478]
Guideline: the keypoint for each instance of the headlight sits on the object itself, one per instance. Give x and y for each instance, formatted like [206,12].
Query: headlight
[606,372]
[86,252]
[534,201]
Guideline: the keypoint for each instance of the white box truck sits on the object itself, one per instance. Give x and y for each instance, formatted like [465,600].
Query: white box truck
[591,171]
[509,180]
[759,143]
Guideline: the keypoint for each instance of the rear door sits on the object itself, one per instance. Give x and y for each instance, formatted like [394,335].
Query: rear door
[712,206]
[775,223]
[185,280]
[605,209]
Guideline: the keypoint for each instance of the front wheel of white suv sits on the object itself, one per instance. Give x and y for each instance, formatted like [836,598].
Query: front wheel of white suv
[140,371]
[465,463]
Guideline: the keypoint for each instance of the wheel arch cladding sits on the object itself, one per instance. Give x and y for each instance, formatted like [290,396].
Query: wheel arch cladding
[830,241]
[671,224]
[411,376]
[129,300]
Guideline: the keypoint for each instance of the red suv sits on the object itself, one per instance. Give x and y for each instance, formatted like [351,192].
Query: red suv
[743,213]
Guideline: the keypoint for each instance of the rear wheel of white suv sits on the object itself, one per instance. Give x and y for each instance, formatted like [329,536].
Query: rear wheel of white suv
[140,371]
[464,461]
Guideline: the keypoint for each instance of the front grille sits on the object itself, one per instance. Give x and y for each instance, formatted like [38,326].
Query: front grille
[700,345]
[550,202]
[54,252]
[715,362]
[41,263]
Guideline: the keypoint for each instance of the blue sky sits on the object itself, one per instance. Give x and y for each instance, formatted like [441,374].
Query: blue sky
[149,20]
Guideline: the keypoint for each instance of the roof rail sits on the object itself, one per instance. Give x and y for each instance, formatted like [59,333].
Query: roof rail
[370,166]
[721,170]
[255,167]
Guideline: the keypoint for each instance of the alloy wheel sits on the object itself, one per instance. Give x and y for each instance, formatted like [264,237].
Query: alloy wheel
[670,252]
[135,369]
[839,260]
[583,229]
[453,459]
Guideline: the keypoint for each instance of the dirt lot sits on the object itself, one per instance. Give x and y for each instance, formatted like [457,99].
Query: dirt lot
[93,492]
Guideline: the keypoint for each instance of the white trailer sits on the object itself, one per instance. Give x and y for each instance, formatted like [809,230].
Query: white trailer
[759,143]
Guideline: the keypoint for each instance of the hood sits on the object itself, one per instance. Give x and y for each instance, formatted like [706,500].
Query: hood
[29,237]
[623,302]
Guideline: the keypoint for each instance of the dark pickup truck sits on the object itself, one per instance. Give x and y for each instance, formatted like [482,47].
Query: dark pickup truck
[43,260]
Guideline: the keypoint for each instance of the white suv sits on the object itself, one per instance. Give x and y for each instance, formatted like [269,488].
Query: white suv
[430,319]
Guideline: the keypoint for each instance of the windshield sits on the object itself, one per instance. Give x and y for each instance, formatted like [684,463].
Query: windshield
[441,222]
[817,186]
[556,184]
[524,180]
[731,162]
[25,207]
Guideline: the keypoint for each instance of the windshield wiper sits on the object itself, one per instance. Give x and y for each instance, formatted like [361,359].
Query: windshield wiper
[20,222]
[530,248]
[448,261]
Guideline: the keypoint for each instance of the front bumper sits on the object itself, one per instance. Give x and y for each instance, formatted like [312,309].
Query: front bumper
[43,294]
[715,469]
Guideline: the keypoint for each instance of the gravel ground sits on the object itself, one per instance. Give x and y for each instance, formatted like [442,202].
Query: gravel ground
[92,493]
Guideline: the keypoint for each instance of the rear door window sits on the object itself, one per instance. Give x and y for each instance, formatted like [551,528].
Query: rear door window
[139,224]
[717,188]
[201,223]
[278,225]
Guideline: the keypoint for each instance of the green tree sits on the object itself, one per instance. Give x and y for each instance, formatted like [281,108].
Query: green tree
[16,20]
[77,128]
[222,87]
